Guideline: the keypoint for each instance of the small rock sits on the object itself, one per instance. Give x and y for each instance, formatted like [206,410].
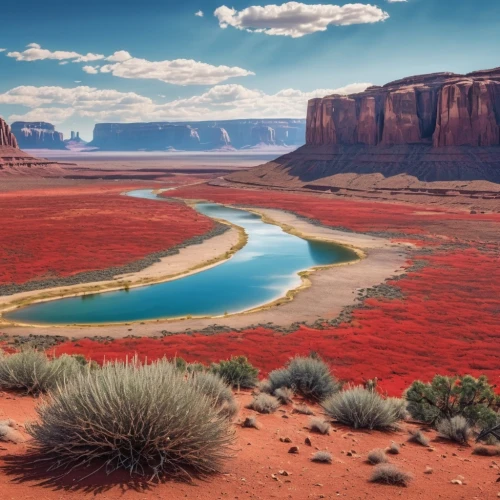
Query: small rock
[307,441]
[428,470]
[456,481]
[349,453]
[284,473]
[294,449]
[285,440]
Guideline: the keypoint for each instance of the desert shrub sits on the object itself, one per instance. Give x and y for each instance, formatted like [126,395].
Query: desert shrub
[302,410]
[323,457]
[399,407]
[394,448]
[264,386]
[486,451]
[264,403]
[447,397]
[390,474]
[33,372]
[310,377]
[455,429]
[215,388]
[361,409]
[147,419]
[319,425]
[377,456]
[250,422]
[180,364]
[284,395]
[195,367]
[237,372]
[418,438]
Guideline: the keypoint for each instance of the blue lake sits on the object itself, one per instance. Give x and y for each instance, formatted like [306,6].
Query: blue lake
[262,271]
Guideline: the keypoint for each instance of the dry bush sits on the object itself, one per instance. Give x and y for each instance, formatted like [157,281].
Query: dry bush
[455,429]
[377,457]
[486,451]
[418,438]
[302,410]
[399,407]
[361,409]
[284,395]
[390,474]
[33,372]
[323,457]
[250,422]
[148,420]
[264,403]
[394,448]
[319,426]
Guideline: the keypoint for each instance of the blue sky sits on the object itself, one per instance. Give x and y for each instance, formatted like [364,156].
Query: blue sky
[157,60]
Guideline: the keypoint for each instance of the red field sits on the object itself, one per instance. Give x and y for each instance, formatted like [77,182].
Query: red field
[60,232]
[448,321]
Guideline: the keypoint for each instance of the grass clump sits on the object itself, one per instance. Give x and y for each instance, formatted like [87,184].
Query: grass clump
[147,419]
[319,426]
[309,377]
[455,429]
[486,451]
[215,388]
[250,422]
[394,449]
[302,410]
[264,403]
[362,409]
[284,395]
[377,456]
[390,474]
[322,457]
[33,372]
[237,372]
[418,438]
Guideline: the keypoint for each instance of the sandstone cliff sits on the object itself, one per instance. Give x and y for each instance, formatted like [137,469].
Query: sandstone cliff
[7,138]
[38,135]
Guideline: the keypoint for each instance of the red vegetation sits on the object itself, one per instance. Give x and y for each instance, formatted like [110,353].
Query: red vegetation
[50,233]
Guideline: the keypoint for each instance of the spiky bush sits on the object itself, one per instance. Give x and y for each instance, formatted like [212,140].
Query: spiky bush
[33,372]
[399,406]
[447,397]
[308,376]
[264,403]
[390,474]
[319,426]
[302,410]
[455,429]
[250,422]
[284,395]
[486,451]
[418,438]
[361,409]
[237,372]
[322,457]
[215,388]
[394,448]
[146,419]
[377,456]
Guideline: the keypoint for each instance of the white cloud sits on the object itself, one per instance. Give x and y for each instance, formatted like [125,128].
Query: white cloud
[3,50]
[395,1]
[34,52]
[91,70]
[229,101]
[178,71]
[199,13]
[296,19]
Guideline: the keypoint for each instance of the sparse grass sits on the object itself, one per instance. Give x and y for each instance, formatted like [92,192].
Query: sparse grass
[455,429]
[319,426]
[390,474]
[486,451]
[237,372]
[250,422]
[418,438]
[284,395]
[361,409]
[323,457]
[302,410]
[33,372]
[147,419]
[399,407]
[394,449]
[377,456]
[264,403]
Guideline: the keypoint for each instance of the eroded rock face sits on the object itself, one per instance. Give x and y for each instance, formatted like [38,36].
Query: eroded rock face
[442,109]
[38,135]
[7,138]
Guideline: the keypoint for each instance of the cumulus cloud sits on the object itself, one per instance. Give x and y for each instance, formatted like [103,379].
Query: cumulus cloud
[91,70]
[3,50]
[178,71]
[228,101]
[34,52]
[199,13]
[296,19]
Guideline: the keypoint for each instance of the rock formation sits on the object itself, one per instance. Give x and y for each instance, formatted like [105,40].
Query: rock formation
[37,135]
[7,138]
[198,136]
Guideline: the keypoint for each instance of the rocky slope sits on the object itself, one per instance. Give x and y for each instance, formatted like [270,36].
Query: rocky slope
[38,135]
[438,127]
[198,136]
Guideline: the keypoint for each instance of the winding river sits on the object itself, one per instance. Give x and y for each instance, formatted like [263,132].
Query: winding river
[259,273]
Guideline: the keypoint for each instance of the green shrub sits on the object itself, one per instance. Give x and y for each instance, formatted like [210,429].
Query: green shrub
[310,377]
[146,419]
[447,397]
[362,409]
[264,403]
[33,372]
[237,372]
[455,429]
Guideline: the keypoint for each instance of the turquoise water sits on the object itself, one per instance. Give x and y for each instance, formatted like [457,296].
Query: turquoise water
[264,270]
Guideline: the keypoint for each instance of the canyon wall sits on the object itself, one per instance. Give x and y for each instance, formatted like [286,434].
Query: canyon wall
[199,136]
[37,135]
[442,109]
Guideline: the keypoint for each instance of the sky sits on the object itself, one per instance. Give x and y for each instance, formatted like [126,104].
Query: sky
[75,64]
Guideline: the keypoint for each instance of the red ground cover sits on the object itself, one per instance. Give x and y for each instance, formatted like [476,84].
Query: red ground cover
[60,232]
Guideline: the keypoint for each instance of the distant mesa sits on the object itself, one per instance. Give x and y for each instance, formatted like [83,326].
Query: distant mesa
[75,142]
[199,136]
[38,135]
[435,127]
